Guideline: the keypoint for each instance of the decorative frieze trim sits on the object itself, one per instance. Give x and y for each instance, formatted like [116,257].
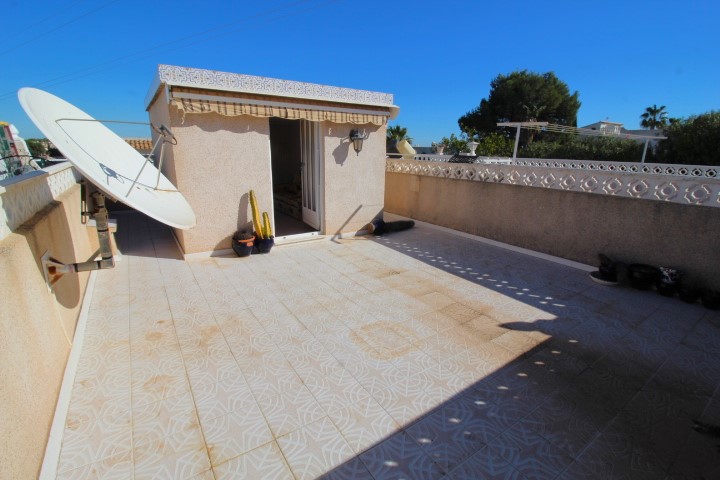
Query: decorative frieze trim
[688,185]
[236,82]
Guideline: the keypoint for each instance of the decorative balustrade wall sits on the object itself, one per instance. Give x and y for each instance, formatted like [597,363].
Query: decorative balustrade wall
[23,196]
[685,184]
[664,215]
[39,213]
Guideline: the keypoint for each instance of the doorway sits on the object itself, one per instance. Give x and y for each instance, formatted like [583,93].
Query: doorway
[295,159]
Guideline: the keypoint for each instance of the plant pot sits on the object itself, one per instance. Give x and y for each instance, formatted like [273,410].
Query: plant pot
[667,289]
[688,295]
[439,149]
[243,248]
[607,269]
[642,276]
[711,299]
[471,146]
[264,245]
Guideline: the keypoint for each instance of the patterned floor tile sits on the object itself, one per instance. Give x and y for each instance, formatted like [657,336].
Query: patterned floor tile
[291,410]
[165,418]
[218,367]
[115,467]
[266,462]
[485,465]
[214,400]
[614,455]
[335,389]
[236,433]
[363,423]
[530,454]
[461,343]
[315,449]
[181,455]
[400,457]
[353,469]
[449,435]
[94,440]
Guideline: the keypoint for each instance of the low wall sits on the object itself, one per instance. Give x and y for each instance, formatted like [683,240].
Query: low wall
[498,203]
[37,325]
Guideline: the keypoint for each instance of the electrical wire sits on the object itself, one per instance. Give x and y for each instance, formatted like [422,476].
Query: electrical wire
[36,23]
[163,47]
[48,32]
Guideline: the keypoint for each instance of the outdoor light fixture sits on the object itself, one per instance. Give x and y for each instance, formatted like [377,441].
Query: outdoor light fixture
[357,139]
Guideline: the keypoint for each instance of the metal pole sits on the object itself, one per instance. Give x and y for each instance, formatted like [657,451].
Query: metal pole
[645,150]
[517,141]
[53,269]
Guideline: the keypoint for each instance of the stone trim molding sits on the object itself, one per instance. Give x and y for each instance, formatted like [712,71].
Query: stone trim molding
[23,196]
[235,82]
[684,184]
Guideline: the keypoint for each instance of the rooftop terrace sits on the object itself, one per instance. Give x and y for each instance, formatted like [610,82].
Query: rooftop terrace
[423,354]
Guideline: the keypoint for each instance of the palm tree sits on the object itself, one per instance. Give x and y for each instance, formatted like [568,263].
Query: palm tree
[397,133]
[654,117]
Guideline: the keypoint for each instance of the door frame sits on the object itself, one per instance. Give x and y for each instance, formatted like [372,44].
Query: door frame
[311,147]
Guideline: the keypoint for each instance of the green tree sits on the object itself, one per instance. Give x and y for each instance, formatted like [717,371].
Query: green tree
[397,133]
[692,141]
[523,96]
[495,145]
[393,135]
[654,117]
[37,147]
[570,147]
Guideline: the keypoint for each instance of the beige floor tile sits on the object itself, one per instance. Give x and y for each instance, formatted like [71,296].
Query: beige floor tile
[363,423]
[94,440]
[314,449]
[291,410]
[115,467]
[374,333]
[218,367]
[181,455]
[235,433]
[335,389]
[165,418]
[214,400]
[265,462]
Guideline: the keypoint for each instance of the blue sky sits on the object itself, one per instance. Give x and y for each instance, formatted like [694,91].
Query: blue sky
[436,57]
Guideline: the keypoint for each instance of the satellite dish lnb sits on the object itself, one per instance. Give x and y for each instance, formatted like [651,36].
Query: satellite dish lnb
[109,163]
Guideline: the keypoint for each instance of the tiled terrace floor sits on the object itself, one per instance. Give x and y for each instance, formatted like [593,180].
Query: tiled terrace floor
[420,355]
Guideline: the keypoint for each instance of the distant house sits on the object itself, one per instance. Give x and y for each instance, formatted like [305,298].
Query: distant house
[142,145]
[615,128]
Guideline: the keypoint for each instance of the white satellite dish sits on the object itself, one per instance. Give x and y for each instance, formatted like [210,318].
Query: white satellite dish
[107,160]
[112,165]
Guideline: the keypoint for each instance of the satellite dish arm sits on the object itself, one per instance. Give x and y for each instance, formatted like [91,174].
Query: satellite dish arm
[54,270]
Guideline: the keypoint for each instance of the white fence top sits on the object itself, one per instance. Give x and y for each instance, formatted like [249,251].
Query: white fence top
[685,184]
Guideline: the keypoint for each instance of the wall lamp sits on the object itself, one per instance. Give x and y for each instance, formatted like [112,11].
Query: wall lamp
[357,138]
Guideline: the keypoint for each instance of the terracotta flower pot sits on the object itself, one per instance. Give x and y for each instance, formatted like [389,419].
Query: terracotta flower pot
[243,248]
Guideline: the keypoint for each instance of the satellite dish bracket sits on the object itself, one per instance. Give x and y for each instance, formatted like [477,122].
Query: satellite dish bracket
[54,269]
[106,161]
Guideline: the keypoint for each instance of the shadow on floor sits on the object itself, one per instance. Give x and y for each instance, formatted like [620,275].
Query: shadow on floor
[612,391]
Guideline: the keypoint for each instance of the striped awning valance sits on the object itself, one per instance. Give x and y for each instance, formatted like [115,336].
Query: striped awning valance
[233,104]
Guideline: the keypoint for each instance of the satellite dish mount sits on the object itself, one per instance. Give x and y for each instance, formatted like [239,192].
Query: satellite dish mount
[54,270]
[117,170]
